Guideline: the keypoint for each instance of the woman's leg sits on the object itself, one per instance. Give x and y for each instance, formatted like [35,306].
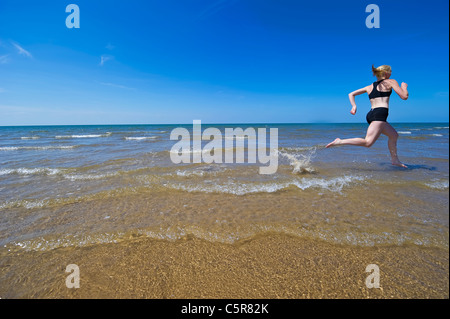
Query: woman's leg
[392,134]
[373,132]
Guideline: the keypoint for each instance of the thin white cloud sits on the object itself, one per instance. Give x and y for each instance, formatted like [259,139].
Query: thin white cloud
[109,46]
[4,59]
[105,58]
[22,51]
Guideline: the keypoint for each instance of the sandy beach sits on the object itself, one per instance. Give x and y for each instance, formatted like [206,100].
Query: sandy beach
[267,266]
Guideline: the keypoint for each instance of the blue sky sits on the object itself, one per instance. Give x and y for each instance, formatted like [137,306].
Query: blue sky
[234,61]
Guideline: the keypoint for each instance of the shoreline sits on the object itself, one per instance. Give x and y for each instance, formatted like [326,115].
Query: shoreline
[269,266]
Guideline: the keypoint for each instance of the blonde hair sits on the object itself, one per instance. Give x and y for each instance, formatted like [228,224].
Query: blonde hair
[379,72]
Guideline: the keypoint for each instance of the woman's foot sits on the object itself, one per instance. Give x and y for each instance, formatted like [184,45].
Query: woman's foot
[334,143]
[398,163]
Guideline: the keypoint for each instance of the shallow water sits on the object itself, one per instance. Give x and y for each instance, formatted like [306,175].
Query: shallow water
[81,185]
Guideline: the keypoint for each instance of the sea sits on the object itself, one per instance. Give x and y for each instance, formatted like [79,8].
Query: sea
[75,186]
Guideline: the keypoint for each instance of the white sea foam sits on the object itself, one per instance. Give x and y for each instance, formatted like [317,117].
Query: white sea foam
[441,185]
[83,136]
[140,138]
[441,127]
[17,148]
[404,132]
[30,171]
[76,177]
[30,137]
[199,172]
[190,173]
[43,244]
[207,151]
[28,204]
[336,236]
[437,135]
[334,185]
[298,149]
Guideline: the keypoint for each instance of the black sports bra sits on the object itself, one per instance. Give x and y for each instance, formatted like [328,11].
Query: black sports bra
[375,93]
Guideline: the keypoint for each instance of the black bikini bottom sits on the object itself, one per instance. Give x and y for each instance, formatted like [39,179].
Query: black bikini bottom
[377,114]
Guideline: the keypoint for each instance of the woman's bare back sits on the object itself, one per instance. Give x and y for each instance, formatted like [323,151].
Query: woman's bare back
[384,86]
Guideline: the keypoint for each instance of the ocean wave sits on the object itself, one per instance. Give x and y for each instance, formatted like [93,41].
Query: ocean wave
[45,203]
[30,137]
[441,127]
[61,201]
[31,171]
[244,233]
[83,136]
[140,138]
[77,177]
[436,135]
[404,132]
[190,173]
[45,244]
[441,185]
[210,171]
[64,172]
[334,185]
[208,151]
[28,204]
[417,137]
[299,148]
[18,148]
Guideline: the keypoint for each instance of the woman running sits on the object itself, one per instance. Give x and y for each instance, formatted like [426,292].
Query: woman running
[379,93]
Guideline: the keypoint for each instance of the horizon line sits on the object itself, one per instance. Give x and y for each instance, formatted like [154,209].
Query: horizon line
[230,123]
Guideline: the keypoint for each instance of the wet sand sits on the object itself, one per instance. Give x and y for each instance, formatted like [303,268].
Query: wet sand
[266,266]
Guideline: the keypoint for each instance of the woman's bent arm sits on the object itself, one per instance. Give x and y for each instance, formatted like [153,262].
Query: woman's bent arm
[402,90]
[351,97]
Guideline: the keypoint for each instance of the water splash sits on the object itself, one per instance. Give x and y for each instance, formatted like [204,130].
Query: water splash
[300,162]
